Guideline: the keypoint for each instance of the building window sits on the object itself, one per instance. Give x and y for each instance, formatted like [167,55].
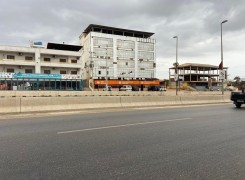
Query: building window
[10,70]
[126,63]
[73,61]
[99,72]
[74,72]
[63,60]
[62,72]
[28,70]
[46,71]
[10,57]
[28,58]
[46,59]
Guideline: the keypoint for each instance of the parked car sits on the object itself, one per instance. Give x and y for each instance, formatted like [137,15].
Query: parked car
[154,88]
[126,88]
[162,88]
[135,88]
[230,88]
[109,88]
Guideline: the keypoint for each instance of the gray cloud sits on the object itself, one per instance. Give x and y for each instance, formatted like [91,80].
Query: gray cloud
[196,22]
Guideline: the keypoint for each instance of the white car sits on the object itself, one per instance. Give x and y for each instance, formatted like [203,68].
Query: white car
[126,88]
[162,88]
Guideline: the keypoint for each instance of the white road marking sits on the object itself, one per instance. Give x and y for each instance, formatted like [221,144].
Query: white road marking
[176,106]
[123,125]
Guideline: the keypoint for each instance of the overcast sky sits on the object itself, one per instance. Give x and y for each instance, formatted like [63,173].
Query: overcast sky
[196,22]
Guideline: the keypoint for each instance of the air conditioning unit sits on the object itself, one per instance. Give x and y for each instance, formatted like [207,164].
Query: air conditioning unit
[20,54]
[20,67]
[53,68]
[54,56]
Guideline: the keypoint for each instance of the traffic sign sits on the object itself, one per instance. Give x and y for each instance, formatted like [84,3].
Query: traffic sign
[222,74]
[176,77]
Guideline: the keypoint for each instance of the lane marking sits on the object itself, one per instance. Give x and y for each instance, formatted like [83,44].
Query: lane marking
[178,106]
[123,125]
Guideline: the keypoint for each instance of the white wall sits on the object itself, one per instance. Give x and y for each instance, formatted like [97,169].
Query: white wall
[120,50]
[19,64]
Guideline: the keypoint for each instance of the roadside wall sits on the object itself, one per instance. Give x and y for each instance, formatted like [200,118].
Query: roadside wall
[103,93]
[42,104]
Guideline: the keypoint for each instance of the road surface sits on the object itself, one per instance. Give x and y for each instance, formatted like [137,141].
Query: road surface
[195,142]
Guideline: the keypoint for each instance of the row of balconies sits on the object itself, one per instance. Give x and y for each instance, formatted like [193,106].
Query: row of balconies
[43,71]
[42,63]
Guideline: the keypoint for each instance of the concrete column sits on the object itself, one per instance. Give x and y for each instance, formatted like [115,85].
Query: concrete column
[91,44]
[37,61]
[115,57]
[136,65]
[155,58]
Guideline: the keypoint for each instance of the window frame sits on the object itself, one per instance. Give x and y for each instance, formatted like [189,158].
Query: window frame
[8,57]
[61,60]
[28,72]
[46,59]
[28,58]
[10,71]
[46,71]
[63,72]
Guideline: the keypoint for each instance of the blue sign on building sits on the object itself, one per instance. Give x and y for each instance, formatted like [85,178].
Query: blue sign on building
[36,76]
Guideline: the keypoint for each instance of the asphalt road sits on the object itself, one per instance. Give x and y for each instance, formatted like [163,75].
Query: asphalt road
[202,142]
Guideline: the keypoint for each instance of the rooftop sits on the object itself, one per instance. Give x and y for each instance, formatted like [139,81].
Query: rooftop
[64,47]
[117,31]
[196,65]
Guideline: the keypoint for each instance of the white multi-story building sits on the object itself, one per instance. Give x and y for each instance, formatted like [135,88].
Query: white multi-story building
[116,53]
[59,59]
[105,53]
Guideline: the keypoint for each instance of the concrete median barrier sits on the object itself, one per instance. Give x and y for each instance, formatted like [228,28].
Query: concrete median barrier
[52,102]
[129,101]
[10,105]
[38,104]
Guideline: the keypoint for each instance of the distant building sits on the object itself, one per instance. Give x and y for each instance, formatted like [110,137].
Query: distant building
[57,66]
[117,54]
[198,76]
[122,56]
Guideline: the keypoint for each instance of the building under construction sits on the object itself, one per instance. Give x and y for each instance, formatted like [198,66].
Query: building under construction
[197,76]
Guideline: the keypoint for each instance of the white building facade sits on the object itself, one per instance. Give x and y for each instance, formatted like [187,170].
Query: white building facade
[29,62]
[14,59]
[116,53]
[104,53]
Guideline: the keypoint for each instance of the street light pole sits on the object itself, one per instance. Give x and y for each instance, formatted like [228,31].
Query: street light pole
[222,55]
[106,77]
[176,65]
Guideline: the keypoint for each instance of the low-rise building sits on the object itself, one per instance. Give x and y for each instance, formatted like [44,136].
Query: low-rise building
[107,55]
[57,66]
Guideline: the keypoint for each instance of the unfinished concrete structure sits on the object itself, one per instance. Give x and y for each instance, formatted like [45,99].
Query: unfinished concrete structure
[198,76]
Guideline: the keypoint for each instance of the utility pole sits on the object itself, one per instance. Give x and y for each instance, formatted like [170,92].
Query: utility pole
[176,65]
[106,70]
[222,56]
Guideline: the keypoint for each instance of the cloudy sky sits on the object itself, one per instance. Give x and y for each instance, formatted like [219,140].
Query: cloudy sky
[196,22]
